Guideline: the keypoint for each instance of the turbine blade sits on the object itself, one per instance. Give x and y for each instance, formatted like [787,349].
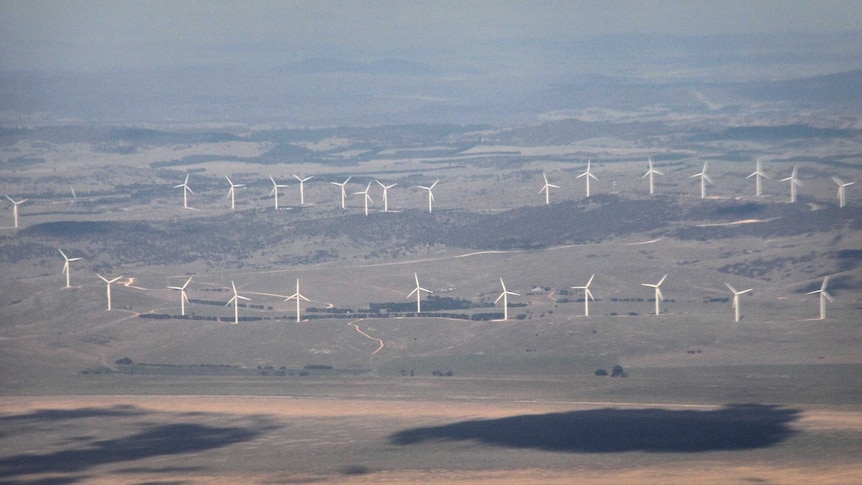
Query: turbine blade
[661,280]
[730,288]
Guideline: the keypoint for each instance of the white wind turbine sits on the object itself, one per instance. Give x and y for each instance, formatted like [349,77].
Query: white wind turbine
[385,194]
[588,175]
[430,194]
[15,204]
[366,197]
[186,191]
[274,191]
[794,182]
[704,178]
[587,295]
[418,290]
[736,300]
[658,296]
[841,184]
[343,191]
[547,189]
[297,296]
[108,282]
[302,182]
[66,269]
[758,174]
[232,192]
[183,297]
[505,296]
[650,173]
[824,295]
[235,300]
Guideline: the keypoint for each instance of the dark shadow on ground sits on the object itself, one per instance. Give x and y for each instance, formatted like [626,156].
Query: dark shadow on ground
[737,427]
[160,435]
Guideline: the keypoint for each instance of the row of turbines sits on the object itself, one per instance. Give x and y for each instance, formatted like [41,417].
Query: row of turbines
[824,295]
[759,174]
[342,185]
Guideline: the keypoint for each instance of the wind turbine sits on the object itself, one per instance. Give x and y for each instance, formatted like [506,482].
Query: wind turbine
[588,176]
[186,191]
[794,182]
[66,270]
[658,296]
[366,196]
[235,300]
[505,296]
[15,205]
[547,189]
[302,182]
[704,178]
[824,295]
[430,194]
[232,192]
[418,290]
[841,184]
[758,174]
[108,282]
[587,295]
[297,296]
[736,300]
[183,297]
[274,190]
[385,194]
[343,191]
[650,174]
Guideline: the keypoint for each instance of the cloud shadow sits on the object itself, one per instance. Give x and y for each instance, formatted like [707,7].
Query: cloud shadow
[735,427]
[150,440]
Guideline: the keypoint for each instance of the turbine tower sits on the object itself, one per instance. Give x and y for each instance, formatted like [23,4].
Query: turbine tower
[418,290]
[704,178]
[274,190]
[588,176]
[658,296]
[505,296]
[15,204]
[736,300]
[587,295]
[343,191]
[794,182]
[302,182]
[184,186]
[547,189]
[842,201]
[385,194]
[650,173]
[183,297]
[235,300]
[232,192]
[66,266]
[430,194]
[108,282]
[824,295]
[366,197]
[758,174]
[297,296]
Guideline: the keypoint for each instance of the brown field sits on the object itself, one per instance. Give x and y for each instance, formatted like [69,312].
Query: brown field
[265,439]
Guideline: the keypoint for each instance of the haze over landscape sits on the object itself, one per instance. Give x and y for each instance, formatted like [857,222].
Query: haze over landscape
[663,194]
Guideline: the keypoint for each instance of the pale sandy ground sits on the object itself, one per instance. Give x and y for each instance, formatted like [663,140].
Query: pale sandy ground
[355,430]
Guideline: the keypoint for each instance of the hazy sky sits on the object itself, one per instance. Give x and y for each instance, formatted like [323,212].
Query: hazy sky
[90,35]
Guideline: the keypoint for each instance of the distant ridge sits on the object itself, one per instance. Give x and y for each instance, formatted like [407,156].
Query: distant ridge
[842,88]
